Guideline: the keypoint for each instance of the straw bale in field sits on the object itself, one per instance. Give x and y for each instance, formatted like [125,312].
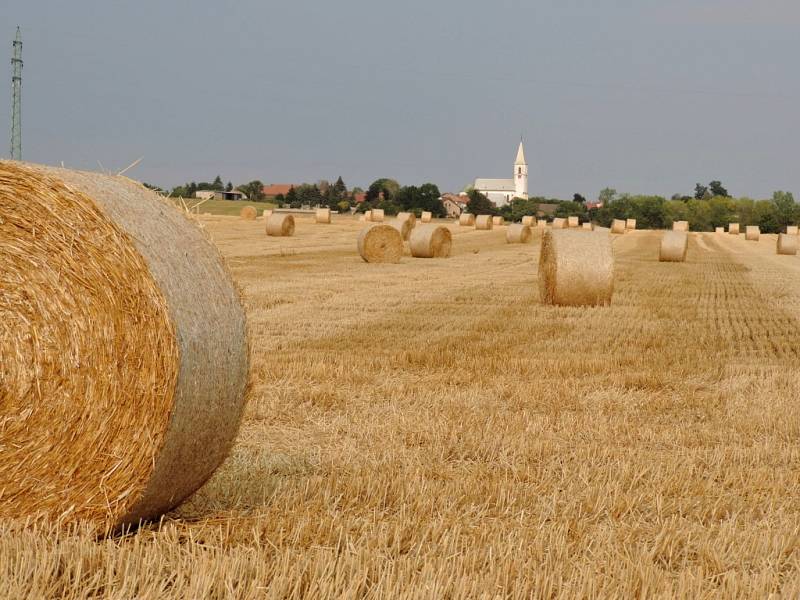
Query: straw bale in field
[518,233]
[618,226]
[323,215]
[576,268]
[426,216]
[719,230]
[498,221]
[529,220]
[484,222]
[368,215]
[787,244]
[248,213]
[402,216]
[573,221]
[559,223]
[541,223]
[380,244]
[124,356]
[630,224]
[280,225]
[376,215]
[680,226]
[466,220]
[267,213]
[791,229]
[752,233]
[431,241]
[588,226]
[733,228]
[673,246]
[404,226]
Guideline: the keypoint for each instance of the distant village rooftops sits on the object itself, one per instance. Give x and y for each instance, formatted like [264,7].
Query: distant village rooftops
[278,189]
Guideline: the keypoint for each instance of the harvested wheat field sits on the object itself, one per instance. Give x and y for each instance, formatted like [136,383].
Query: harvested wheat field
[430,429]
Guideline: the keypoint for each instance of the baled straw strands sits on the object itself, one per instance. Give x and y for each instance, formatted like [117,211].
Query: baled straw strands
[787,244]
[431,241]
[367,216]
[752,233]
[466,220]
[121,393]
[573,221]
[542,223]
[266,214]
[673,246]
[280,225]
[380,244]
[588,226]
[733,228]
[576,268]
[630,224]
[404,226]
[426,216]
[559,223]
[518,233]
[529,220]
[376,215]
[719,230]
[484,222]
[322,215]
[680,226]
[618,226]
[402,216]
[248,213]
[791,229]
[498,221]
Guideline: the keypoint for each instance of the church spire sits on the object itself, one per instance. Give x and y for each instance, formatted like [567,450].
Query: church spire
[520,155]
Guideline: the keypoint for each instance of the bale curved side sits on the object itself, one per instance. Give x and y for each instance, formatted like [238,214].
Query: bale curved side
[404,226]
[576,268]
[630,224]
[498,221]
[752,233]
[733,228]
[248,213]
[719,230]
[484,222]
[588,226]
[376,215]
[518,233]
[573,221]
[426,216]
[673,246]
[791,229]
[787,244]
[680,226]
[431,241]
[380,244]
[466,220]
[618,226]
[280,225]
[529,220]
[323,215]
[559,223]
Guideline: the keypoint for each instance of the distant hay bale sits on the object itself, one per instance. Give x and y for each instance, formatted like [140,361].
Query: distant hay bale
[498,221]
[376,215]
[791,229]
[368,215]
[248,213]
[484,222]
[752,233]
[541,223]
[280,225]
[466,220]
[618,226]
[124,357]
[587,226]
[559,223]
[529,220]
[630,224]
[573,221]
[680,226]
[518,233]
[323,215]
[426,216]
[380,244]
[431,241]
[733,228]
[719,230]
[576,268]
[267,213]
[404,226]
[673,246]
[787,244]
[362,218]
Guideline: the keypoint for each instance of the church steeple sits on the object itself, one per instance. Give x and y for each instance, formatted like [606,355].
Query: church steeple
[520,155]
[521,173]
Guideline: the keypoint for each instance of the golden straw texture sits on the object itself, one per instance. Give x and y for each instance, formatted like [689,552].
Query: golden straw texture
[673,246]
[791,229]
[484,222]
[559,223]
[719,230]
[576,268]
[588,226]
[787,244]
[323,215]
[367,216]
[280,225]
[529,220]
[431,241]
[630,224]
[752,233]
[680,226]
[426,216]
[498,221]
[518,233]
[733,228]
[403,216]
[380,244]
[573,221]
[376,215]
[248,213]
[618,226]
[404,226]
[118,400]
[466,220]
[267,213]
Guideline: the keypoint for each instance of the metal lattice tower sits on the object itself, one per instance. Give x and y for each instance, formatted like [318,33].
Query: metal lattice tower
[16,99]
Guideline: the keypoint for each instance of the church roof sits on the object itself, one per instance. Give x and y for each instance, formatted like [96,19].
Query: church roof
[520,155]
[495,185]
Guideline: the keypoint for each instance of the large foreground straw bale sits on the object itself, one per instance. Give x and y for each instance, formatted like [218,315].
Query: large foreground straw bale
[426,216]
[484,222]
[518,233]
[123,352]
[787,244]
[323,215]
[752,233]
[248,213]
[376,215]
[618,226]
[380,244]
[573,221]
[498,221]
[576,268]
[280,225]
[559,223]
[404,226]
[529,220]
[673,246]
[431,241]
[466,220]
[630,224]
[733,228]
[680,226]
[791,229]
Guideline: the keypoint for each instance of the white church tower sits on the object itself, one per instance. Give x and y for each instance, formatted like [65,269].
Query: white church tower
[521,173]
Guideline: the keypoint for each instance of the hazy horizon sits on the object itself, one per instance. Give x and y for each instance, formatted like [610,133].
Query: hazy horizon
[639,96]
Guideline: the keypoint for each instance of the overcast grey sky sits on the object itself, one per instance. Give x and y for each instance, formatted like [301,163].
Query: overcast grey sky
[646,96]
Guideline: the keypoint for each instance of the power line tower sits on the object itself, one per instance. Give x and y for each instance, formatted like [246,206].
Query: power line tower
[16,99]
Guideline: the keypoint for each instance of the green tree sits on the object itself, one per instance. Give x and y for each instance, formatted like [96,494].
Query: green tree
[700,191]
[607,195]
[716,189]
[218,185]
[786,209]
[254,190]
[386,188]
[291,198]
[229,187]
[480,204]
[570,209]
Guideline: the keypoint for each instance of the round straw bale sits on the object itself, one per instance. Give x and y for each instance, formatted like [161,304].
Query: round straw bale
[376,215]
[466,220]
[618,226]
[323,215]
[752,233]
[630,224]
[673,246]
[484,222]
[431,241]
[559,223]
[573,221]
[576,268]
[426,216]
[498,221]
[280,225]
[787,244]
[248,213]
[733,228]
[719,230]
[380,244]
[541,223]
[680,226]
[367,215]
[121,392]
[791,229]
[408,216]
[588,226]
[518,233]
[529,220]
[404,226]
